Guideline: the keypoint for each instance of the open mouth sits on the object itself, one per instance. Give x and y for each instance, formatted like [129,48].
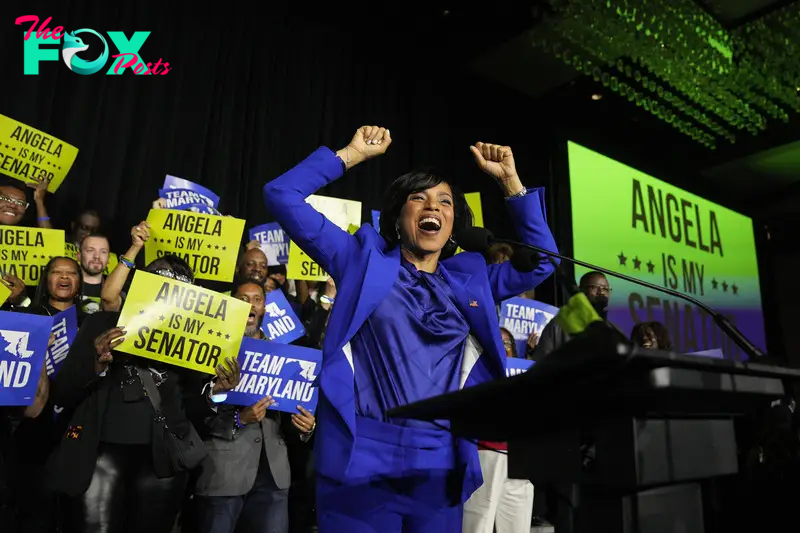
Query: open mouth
[251,318]
[430,225]
[64,286]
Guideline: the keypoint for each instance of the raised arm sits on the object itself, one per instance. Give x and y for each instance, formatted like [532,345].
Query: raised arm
[285,196]
[527,213]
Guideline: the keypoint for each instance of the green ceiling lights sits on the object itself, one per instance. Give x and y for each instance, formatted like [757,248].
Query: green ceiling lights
[678,63]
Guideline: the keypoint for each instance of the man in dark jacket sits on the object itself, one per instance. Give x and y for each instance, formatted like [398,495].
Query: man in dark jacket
[595,286]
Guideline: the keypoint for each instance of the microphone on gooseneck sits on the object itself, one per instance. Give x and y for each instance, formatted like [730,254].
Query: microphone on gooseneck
[476,239]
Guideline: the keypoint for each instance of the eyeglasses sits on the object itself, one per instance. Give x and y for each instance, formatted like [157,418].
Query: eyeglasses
[599,288]
[508,342]
[172,275]
[13,201]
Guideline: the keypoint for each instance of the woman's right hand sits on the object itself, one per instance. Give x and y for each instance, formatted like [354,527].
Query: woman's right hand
[104,344]
[368,142]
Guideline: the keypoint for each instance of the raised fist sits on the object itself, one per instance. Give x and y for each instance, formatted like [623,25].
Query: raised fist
[495,160]
[370,141]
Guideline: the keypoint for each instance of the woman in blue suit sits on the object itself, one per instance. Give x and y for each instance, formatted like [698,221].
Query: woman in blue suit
[411,320]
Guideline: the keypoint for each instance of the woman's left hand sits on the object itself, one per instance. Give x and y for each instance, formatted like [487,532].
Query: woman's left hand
[305,421]
[498,162]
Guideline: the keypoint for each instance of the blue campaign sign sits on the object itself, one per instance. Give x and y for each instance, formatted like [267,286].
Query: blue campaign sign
[65,327]
[185,199]
[282,371]
[23,342]
[376,220]
[174,182]
[516,365]
[274,242]
[280,321]
[522,317]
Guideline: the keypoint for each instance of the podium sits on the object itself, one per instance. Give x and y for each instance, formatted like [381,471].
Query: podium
[628,434]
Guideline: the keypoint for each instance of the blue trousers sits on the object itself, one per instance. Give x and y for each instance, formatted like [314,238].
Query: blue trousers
[265,509]
[402,482]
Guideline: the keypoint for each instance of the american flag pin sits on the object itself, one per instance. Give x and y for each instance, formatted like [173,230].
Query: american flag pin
[473,303]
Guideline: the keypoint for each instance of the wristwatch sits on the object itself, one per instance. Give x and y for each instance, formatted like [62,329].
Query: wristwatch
[520,194]
[326,300]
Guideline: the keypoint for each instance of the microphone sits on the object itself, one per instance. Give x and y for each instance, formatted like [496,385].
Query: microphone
[474,239]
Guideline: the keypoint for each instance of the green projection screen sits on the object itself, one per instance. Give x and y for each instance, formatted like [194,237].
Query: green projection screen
[627,221]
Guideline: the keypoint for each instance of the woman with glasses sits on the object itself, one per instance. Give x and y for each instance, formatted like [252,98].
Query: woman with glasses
[13,203]
[112,464]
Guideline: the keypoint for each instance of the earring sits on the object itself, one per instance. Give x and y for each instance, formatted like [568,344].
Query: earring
[397,229]
[452,241]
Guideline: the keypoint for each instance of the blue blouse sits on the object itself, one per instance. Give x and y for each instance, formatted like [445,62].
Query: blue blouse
[410,348]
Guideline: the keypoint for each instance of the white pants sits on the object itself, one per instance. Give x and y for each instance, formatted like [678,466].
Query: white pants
[500,504]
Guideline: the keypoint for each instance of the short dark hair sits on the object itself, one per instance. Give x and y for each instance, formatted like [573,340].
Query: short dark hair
[42,296]
[418,181]
[87,211]
[585,278]
[96,235]
[174,263]
[15,184]
[246,281]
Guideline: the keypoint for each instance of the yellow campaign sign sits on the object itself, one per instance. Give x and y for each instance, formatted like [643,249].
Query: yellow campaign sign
[344,213]
[181,324]
[29,155]
[24,252]
[5,292]
[474,203]
[209,243]
[70,250]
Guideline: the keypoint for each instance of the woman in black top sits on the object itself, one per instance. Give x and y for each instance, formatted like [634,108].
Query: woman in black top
[35,438]
[112,463]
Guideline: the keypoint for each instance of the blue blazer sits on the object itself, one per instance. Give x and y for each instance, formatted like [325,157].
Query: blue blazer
[364,271]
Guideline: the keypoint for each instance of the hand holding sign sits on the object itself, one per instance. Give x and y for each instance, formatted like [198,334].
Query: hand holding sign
[227,379]
[256,412]
[104,345]
[140,233]
[17,288]
[39,187]
[305,421]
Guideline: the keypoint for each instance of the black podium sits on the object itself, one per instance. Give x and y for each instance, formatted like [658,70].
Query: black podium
[628,434]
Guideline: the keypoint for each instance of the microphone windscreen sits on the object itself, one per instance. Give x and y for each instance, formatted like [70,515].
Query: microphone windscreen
[474,239]
[525,260]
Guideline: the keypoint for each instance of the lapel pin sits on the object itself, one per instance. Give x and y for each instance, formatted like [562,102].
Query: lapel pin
[473,303]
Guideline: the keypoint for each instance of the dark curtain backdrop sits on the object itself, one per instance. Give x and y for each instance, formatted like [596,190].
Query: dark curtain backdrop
[252,91]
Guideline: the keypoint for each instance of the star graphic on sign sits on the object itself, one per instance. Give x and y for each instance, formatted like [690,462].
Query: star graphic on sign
[650,267]
[161,318]
[724,287]
[637,264]
[217,247]
[714,283]
[735,289]
[34,256]
[209,246]
[211,332]
[141,312]
[169,241]
[622,258]
[227,337]
[219,334]
[224,248]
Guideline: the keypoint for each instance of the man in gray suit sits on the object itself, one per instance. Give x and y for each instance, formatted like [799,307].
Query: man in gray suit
[244,483]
